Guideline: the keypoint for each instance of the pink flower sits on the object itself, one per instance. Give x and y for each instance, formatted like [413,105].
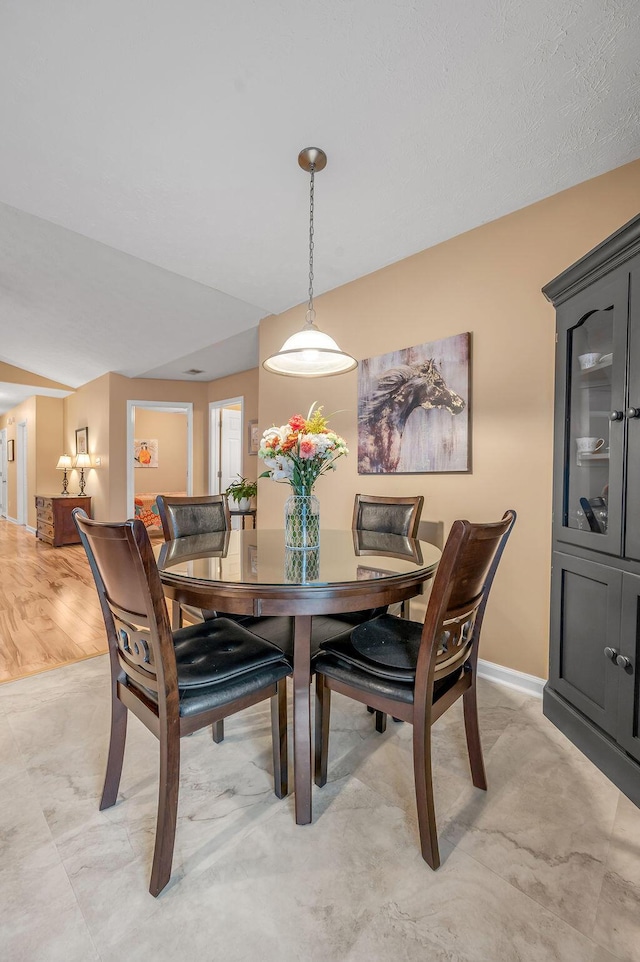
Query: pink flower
[307,448]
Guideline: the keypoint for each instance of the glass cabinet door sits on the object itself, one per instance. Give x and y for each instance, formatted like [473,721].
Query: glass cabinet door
[594,346]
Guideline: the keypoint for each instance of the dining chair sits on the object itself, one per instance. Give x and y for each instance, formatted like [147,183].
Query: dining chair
[174,682]
[416,672]
[386,515]
[183,517]
[190,517]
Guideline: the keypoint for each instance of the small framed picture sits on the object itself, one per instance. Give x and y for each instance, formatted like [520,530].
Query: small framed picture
[11,453]
[253,437]
[82,441]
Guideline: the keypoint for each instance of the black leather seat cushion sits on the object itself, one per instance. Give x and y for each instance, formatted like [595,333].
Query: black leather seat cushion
[279,629]
[219,661]
[379,656]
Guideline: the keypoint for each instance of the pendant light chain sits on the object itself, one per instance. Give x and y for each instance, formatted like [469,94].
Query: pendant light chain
[311,313]
[310,352]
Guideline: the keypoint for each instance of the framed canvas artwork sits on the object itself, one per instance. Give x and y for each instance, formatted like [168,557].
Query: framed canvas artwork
[82,441]
[145,453]
[253,437]
[413,409]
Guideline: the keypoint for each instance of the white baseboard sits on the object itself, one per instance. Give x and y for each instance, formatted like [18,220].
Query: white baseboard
[510,678]
[12,520]
[30,529]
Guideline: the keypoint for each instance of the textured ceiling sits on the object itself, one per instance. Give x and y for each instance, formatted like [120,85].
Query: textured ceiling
[169,132]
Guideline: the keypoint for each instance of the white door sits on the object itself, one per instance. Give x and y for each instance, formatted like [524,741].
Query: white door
[230,447]
[225,465]
[3,473]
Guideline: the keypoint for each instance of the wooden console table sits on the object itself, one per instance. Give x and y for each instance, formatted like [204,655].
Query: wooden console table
[54,522]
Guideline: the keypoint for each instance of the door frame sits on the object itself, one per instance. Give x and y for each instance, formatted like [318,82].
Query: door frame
[169,407]
[22,439]
[214,448]
[3,472]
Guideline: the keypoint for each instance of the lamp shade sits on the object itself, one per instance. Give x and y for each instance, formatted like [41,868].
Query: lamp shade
[82,461]
[310,353]
[65,462]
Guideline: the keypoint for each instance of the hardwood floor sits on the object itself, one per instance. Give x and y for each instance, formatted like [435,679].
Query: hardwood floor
[49,610]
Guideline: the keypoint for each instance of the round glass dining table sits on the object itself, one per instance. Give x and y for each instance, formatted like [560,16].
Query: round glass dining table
[251,572]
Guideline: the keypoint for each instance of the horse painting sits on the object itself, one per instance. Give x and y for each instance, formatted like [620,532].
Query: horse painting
[406,411]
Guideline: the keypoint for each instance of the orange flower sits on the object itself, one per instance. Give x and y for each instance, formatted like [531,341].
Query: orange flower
[297,422]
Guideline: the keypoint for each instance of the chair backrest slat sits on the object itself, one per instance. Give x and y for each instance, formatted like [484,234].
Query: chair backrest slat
[183,517]
[387,515]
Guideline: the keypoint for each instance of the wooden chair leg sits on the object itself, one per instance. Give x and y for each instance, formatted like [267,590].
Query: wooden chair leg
[404,609]
[115,757]
[217,731]
[167,807]
[381,722]
[424,793]
[176,615]
[370,709]
[474,745]
[323,714]
[279,739]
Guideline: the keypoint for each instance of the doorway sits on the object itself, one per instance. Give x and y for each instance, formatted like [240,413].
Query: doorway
[158,467]
[226,421]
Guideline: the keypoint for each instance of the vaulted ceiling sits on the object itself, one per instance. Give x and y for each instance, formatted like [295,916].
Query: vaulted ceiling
[151,206]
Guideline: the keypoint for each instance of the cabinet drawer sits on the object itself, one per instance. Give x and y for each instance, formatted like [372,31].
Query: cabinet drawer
[45,531]
[45,514]
[44,503]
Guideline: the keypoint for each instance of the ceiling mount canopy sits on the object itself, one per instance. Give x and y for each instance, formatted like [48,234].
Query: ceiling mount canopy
[309,352]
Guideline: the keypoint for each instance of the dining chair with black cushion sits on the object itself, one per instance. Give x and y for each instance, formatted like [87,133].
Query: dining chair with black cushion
[183,517]
[416,672]
[385,515]
[174,682]
[188,517]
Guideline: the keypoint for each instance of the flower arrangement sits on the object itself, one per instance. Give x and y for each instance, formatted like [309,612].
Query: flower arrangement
[301,450]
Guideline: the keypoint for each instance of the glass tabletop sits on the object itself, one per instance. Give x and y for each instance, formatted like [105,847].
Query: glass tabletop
[260,557]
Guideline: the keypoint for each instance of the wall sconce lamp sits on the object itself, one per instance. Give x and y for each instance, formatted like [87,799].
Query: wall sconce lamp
[82,461]
[310,353]
[65,463]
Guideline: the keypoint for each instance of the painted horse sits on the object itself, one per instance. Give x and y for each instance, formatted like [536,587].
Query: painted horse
[384,412]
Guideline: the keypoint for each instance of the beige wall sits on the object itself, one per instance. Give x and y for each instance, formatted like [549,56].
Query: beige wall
[241,385]
[486,281]
[89,407]
[101,405]
[170,431]
[43,416]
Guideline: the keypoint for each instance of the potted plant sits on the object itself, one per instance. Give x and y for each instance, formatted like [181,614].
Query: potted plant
[242,491]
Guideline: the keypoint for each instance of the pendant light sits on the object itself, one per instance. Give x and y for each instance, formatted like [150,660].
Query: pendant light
[310,353]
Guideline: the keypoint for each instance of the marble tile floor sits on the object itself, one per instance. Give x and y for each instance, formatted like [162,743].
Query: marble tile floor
[545,866]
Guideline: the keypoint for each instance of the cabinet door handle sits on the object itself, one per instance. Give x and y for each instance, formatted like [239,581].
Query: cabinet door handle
[611,653]
[633,412]
[623,662]
[616,416]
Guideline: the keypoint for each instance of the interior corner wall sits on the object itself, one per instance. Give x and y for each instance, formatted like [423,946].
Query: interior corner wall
[49,413]
[88,408]
[488,282]
[243,385]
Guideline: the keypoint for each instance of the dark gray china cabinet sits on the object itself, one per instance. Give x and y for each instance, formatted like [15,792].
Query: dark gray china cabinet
[593,692]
